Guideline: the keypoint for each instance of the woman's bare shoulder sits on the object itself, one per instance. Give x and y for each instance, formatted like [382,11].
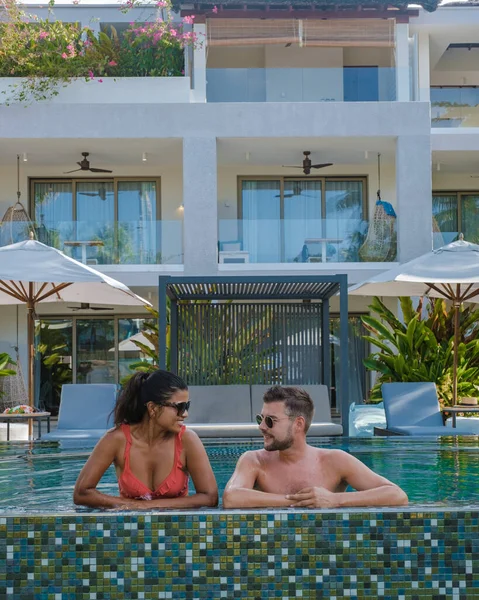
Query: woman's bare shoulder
[113,437]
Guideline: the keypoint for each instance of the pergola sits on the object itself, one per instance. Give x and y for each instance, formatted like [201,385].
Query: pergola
[295,294]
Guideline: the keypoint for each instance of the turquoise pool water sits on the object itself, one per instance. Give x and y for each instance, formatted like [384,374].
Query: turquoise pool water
[40,477]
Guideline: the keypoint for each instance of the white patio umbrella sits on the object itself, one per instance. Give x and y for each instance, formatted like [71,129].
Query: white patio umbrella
[451,272]
[31,272]
[129,345]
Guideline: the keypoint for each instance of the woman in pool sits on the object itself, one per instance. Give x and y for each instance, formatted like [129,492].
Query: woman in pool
[151,449]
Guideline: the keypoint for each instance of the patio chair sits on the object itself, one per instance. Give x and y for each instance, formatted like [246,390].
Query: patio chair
[221,411]
[413,409]
[322,424]
[85,411]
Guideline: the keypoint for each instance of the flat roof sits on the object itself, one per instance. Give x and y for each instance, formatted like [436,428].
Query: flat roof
[253,288]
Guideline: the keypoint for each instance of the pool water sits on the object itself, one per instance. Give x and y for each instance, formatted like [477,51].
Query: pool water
[39,477]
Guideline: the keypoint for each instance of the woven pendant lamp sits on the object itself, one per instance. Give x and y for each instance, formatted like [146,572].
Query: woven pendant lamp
[16,224]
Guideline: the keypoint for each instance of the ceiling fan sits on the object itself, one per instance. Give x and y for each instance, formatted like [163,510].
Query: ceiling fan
[85,166]
[307,166]
[99,193]
[296,189]
[88,306]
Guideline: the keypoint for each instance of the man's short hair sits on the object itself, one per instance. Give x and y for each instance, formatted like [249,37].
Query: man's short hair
[297,402]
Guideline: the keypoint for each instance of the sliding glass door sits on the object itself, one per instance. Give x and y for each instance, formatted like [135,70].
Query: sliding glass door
[84,350]
[454,213]
[302,220]
[102,221]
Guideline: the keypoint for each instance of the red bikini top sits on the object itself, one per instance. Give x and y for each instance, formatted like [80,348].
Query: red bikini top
[174,486]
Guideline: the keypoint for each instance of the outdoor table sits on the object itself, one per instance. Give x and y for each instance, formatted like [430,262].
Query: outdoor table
[460,408]
[324,244]
[84,244]
[39,416]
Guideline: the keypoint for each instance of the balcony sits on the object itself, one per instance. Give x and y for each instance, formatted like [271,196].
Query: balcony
[306,241]
[347,84]
[454,107]
[107,243]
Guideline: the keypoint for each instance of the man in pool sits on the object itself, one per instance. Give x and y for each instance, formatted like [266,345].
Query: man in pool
[288,472]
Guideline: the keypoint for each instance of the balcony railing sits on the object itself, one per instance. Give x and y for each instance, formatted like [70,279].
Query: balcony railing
[348,84]
[454,107]
[106,242]
[306,241]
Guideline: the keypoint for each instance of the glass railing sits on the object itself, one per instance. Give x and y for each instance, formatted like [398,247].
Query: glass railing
[350,84]
[441,238]
[304,240]
[107,242]
[454,107]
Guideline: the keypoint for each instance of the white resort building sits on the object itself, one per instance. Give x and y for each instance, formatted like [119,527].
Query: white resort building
[306,137]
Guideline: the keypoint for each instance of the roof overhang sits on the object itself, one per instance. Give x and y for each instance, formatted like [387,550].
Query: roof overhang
[252,288]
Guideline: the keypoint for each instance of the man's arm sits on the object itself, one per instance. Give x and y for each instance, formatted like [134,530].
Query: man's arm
[372,489]
[239,492]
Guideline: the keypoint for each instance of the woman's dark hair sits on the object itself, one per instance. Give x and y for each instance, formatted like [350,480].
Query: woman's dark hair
[157,387]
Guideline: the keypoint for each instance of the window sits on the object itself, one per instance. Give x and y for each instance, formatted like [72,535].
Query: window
[84,350]
[302,220]
[454,213]
[100,221]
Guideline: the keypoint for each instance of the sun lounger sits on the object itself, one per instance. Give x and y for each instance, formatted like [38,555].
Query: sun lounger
[413,409]
[85,411]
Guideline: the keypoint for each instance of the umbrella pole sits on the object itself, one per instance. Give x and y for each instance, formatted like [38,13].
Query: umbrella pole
[457,305]
[30,349]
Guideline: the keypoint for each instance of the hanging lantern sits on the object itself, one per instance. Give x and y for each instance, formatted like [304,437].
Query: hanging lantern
[16,224]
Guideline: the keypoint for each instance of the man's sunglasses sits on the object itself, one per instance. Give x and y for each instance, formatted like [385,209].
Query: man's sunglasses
[268,420]
[181,407]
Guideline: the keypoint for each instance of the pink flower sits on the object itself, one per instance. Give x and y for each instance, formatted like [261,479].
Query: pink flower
[173,32]
[43,34]
[215,9]
[91,75]
[100,81]
[161,4]
[189,20]
[112,63]
[64,55]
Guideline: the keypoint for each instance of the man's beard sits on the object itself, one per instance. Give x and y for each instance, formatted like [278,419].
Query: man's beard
[280,444]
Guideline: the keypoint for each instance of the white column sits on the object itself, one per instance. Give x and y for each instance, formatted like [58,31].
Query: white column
[414,196]
[402,62]
[199,64]
[424,67]
[200,201]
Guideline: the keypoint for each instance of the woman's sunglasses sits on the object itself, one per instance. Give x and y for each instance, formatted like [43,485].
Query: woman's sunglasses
[181,407]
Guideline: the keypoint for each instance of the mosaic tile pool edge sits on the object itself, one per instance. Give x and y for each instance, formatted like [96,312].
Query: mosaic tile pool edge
[391,555]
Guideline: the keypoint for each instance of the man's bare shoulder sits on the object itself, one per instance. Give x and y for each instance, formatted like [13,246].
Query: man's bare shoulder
[329,455]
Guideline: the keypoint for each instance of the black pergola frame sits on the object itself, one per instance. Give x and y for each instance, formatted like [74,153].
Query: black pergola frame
[264,288]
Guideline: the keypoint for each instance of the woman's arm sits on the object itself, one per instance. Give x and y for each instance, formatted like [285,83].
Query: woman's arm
[103,455]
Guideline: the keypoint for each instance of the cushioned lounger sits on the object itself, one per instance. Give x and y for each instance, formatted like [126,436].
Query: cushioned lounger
[413,409]
[85,411]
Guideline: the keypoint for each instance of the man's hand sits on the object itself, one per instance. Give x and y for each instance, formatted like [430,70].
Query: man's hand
[313,497]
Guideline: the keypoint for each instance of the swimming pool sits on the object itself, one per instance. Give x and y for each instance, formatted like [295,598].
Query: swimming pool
[445,472]
[50,550]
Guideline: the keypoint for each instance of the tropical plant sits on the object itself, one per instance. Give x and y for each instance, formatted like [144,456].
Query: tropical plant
[149,363]
[231,351]
[47,54]
[6,361]
[52,348]
[421,347]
